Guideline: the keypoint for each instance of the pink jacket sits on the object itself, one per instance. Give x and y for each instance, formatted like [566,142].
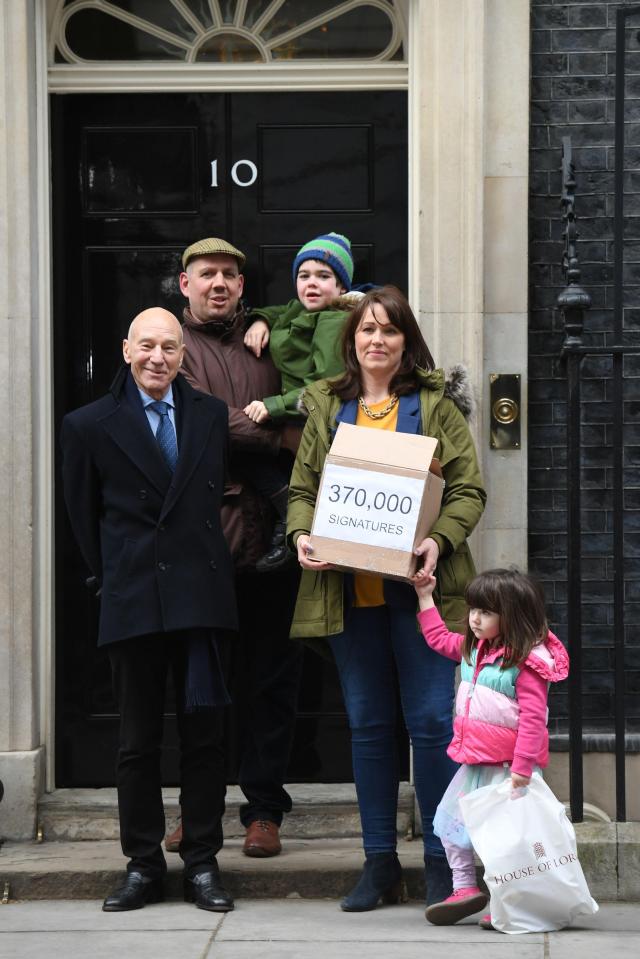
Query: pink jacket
[501,715]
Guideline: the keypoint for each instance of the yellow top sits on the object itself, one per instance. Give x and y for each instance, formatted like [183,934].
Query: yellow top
[368,589]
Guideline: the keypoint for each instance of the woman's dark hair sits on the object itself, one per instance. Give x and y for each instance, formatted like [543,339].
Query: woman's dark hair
[415,354]
[519,601]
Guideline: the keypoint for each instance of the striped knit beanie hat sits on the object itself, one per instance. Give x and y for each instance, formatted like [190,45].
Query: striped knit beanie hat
[332,249]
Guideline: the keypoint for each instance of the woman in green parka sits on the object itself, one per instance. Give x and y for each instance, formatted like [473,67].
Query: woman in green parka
[369,623]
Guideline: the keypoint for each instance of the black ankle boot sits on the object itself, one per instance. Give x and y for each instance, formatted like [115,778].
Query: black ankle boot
[381,879]
[278,555]
[438,879]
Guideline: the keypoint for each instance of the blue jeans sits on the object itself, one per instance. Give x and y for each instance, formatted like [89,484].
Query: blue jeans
[377,641]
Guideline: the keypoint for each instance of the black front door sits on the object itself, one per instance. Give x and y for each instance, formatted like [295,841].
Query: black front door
[136,179]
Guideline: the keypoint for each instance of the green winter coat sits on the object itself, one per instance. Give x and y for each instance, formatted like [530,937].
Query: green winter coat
[304,346]
[319,608]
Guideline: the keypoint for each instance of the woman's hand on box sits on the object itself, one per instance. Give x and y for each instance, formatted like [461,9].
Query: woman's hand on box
[305,548]
[430,550]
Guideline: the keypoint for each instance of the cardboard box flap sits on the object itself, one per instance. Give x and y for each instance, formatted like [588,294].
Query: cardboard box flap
[408,450]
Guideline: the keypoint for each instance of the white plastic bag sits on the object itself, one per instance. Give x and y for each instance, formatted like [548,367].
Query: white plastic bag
[528,848]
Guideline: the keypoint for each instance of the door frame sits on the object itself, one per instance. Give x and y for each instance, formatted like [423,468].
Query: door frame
[468,166]
[157,78]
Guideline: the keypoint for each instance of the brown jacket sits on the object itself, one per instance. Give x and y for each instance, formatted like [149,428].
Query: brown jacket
[217,362]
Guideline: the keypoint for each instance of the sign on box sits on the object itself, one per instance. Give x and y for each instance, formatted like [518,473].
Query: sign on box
[366,506]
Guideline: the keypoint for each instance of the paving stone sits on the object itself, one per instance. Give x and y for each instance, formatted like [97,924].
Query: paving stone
[87,916]
[372,950]
[292,929]
[104,945]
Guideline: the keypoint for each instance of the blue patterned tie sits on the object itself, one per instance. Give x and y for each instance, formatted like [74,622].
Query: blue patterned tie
[165,434]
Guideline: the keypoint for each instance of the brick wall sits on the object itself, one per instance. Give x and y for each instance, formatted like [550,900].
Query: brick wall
[572,93]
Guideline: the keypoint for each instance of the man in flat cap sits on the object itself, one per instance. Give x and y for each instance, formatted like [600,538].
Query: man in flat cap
[266,666]
[143,472]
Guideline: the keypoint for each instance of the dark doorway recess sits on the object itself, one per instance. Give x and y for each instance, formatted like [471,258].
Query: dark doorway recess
[136,179]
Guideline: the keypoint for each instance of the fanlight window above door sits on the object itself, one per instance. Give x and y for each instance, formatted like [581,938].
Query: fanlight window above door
[227,31]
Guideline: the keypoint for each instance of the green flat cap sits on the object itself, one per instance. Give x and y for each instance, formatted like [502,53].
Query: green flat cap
[211,245]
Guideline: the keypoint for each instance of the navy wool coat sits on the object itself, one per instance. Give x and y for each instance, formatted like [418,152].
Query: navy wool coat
[152,539]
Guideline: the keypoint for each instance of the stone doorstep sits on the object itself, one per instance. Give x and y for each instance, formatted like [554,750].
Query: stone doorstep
[322,851]
[307,868]
[319,811]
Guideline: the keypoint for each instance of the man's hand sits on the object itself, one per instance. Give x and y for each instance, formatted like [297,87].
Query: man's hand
[257,411]
[257,337]
[430,550]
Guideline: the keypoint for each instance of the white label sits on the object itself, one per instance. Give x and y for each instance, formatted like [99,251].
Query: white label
[364,506]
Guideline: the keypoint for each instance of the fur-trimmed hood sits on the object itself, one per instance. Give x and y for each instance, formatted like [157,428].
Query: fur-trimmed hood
[457,386]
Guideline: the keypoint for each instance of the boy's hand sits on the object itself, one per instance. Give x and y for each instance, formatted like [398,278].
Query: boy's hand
[424,584]
[257,411]
[257,337]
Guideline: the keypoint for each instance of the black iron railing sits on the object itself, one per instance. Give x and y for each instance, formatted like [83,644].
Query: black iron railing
[573,302]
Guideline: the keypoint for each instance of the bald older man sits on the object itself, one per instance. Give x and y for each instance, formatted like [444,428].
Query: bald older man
[143,471]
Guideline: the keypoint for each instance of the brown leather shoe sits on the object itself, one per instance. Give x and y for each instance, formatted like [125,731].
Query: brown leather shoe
[262,839]
[173,840]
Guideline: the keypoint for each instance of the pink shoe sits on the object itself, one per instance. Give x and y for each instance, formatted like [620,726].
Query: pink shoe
[485,922]
[463,903]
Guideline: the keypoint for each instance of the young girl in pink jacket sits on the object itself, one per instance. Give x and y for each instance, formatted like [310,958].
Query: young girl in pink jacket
[508,658]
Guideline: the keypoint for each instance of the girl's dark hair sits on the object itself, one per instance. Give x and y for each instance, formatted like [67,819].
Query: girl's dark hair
[519,601]
[415,354]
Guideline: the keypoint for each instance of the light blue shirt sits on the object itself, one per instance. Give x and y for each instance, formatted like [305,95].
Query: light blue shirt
[153,416]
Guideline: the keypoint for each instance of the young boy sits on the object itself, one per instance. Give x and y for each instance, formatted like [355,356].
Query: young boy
[304,341]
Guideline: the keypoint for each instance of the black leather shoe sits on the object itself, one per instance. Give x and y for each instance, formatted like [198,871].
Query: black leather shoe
[135,892]
[205,890]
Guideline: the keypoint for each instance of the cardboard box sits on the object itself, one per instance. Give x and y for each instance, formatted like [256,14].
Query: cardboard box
[380,494]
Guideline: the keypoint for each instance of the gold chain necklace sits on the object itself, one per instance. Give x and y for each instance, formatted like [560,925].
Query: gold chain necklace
[393,399]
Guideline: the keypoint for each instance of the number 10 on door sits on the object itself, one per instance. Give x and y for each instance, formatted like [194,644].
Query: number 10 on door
[243,173]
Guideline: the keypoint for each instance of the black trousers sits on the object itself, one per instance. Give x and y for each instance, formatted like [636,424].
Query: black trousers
[265,676]
[139,667]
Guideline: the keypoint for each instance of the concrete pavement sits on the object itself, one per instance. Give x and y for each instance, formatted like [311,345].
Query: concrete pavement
[292,929]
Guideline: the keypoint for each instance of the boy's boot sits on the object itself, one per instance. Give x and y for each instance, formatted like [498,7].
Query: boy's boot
[278,555]
[381,879]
